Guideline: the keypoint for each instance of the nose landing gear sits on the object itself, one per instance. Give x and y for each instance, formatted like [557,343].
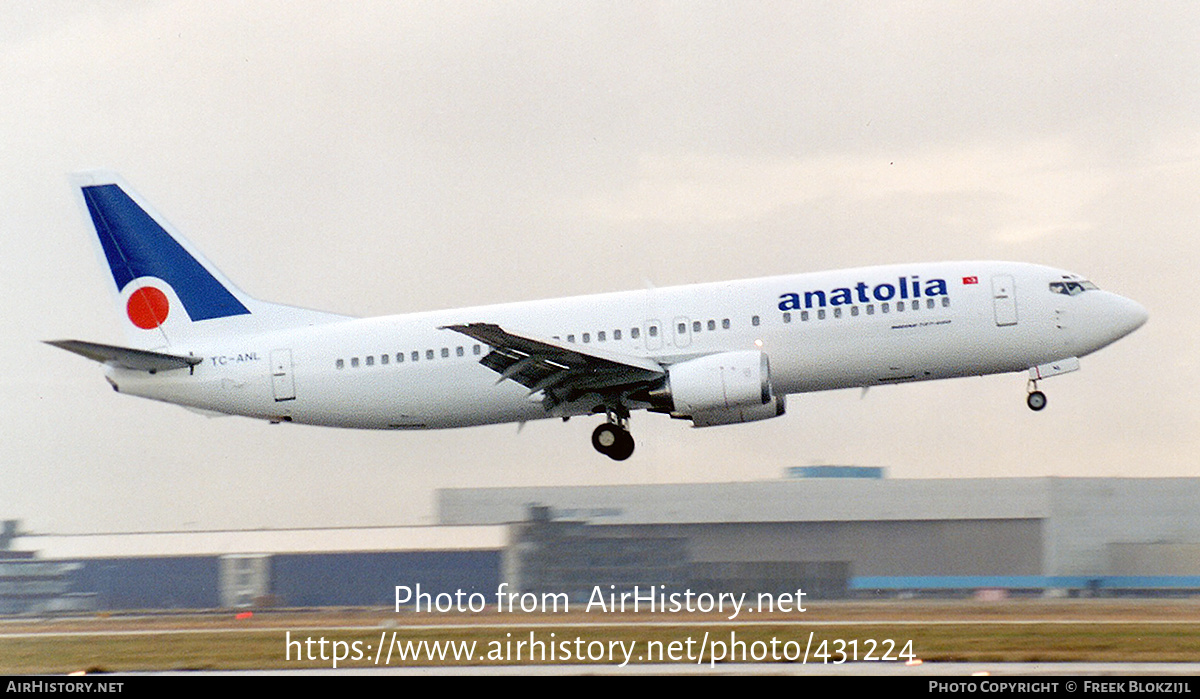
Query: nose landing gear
[612,438]
[1036,400]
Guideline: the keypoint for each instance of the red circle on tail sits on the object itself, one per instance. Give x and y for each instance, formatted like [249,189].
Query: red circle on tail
[148,307]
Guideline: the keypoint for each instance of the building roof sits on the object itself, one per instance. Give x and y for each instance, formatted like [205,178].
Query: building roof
[215,543]
[822,500]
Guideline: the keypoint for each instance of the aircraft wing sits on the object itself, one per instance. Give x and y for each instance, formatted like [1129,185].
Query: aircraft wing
[127,357]
[563,371]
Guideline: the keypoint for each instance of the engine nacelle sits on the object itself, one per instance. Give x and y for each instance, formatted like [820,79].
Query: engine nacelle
[749,413]
[721,389]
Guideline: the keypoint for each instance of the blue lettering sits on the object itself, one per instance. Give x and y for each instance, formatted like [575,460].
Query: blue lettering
[861,292]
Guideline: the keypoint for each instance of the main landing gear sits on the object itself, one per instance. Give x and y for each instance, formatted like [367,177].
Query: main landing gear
[612,438]
[1036,400]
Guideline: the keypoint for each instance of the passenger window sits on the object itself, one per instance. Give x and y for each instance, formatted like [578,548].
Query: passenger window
[459,351]
[900,307]
[854,310]
[383,359]
[600,336]
[821,314]
[416,355]
[571,339]
[696,326]
[837,312]
[616,334]
[429,354]
[754,321]
[587,337]
[341,363]
[445,352]
[787,317]
[476,349]
[399,357]
[884,307]
[653,331]
[870,309]
[804,316]
[635,333]
[371,360]
[712,325]
[725,324]
[929,303]
[354,362]
[945,301]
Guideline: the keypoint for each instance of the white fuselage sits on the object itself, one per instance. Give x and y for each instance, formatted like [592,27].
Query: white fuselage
[821,331]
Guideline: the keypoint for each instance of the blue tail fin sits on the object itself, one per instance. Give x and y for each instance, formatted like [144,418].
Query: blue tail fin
[137,246]
[168,293]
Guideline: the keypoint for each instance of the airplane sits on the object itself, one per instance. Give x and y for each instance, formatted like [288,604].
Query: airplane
[715,353]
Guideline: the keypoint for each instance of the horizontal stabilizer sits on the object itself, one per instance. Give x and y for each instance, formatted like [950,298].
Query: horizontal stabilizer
[127,357]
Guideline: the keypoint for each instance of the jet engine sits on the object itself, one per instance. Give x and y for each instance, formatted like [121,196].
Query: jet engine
[719,389]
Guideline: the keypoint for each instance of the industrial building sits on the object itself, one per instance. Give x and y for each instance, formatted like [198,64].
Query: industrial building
[834,532]
[356,567]
[848,535]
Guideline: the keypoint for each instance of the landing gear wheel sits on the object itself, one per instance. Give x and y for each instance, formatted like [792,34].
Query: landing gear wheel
[1036,400]
[623,449]
[605,437]
[613,441]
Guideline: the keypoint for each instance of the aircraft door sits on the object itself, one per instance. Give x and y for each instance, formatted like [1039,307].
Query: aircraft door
[282,380]
[1005,299]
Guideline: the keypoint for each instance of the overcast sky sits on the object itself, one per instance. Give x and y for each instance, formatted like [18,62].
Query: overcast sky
[378,158]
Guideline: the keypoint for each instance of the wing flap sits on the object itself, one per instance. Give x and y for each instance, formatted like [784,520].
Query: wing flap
[127,357]
[546,365]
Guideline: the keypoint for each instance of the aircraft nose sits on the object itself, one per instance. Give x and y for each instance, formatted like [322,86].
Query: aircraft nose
[1127,315]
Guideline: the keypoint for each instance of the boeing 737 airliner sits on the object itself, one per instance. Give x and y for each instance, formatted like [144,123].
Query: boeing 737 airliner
[715,354]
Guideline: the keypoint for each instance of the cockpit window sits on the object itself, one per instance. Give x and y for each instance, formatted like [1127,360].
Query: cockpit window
[1072,288]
